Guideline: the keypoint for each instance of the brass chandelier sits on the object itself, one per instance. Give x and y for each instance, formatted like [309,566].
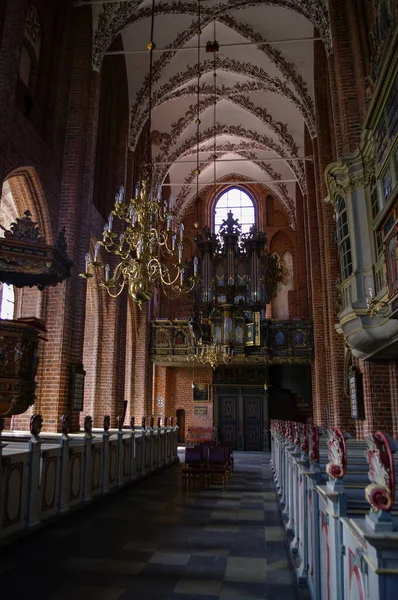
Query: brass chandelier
[149,250]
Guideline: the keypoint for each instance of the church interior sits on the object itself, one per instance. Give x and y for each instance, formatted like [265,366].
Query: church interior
[199,295]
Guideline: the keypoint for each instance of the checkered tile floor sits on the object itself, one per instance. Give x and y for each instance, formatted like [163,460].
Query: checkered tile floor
[156,542]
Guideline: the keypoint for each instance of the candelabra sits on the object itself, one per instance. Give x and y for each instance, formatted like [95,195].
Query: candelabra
[147,238]
[376,308]
[213,354]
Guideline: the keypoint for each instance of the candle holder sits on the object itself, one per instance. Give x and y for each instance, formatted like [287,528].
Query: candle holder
[376,308]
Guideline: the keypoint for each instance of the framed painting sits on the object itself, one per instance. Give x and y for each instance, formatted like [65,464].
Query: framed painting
[201,392]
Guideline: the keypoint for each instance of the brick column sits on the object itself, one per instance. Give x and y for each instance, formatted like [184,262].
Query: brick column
[394,396]
[331,272]
[142,385]
[344,78]
[13,22]
[300,263]
[319,382]
[160,388]
[112,371]
[66,302]
[377,396]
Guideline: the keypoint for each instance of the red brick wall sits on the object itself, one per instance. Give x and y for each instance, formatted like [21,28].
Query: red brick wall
[66,158]
[179,395]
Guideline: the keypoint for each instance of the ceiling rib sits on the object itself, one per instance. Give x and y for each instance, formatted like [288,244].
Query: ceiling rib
[222,46]
[266,181]
[220,160]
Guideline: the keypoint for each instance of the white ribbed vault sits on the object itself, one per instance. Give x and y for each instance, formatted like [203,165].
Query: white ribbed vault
[261,103]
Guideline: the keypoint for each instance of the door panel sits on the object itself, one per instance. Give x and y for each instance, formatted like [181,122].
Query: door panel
[228,419]
[253,422]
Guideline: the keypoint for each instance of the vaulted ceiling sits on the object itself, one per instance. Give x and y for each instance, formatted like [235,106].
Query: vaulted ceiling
[255,93]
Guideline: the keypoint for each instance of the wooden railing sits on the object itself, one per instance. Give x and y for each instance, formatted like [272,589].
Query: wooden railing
[43,476]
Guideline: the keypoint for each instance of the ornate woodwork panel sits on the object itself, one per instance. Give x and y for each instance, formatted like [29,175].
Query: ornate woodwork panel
[228,419]
[252,422]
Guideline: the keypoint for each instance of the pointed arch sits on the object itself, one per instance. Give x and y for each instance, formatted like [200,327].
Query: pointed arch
[185,195]
[23,189]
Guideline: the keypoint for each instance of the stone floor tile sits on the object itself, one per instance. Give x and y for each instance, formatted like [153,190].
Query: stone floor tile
[88,592]
[250,515]
[250,570]
[228,503]
[243,591]
[97,565]
[193,597]
[170,558]
[209,551]
[160,543]
[141,546]
[281,577]
[225,527]
[252,505]
[223,515]
[274,533]
[199,587]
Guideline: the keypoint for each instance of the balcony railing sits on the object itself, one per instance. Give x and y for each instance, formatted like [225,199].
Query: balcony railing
[278,342]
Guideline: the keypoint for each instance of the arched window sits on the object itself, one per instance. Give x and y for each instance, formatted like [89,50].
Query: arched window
[343,237]
[7,301]
[240,204]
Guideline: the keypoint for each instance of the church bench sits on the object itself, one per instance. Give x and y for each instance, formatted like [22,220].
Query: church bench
[329,518]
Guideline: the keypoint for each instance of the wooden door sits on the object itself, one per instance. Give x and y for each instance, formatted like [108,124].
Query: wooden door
[228,419]
[253,422]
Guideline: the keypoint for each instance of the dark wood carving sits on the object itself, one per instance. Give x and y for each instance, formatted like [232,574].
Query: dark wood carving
[26,260]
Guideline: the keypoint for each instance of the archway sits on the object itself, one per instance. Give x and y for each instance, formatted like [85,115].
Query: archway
[22,191]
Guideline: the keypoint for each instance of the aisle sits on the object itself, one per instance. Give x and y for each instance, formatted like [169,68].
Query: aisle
[154,542]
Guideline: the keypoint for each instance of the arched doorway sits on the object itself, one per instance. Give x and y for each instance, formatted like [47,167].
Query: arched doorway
[181,425]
